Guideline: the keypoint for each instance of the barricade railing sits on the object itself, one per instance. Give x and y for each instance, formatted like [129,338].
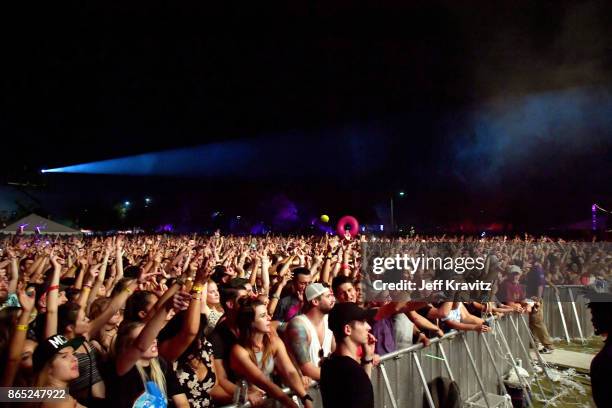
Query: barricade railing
[476,362]
[566,314]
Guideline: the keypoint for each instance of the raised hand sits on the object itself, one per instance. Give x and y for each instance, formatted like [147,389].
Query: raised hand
[56,261]
[180,301]
[145,277]
[94,271]
[27,299]
[203,273]
[370,346]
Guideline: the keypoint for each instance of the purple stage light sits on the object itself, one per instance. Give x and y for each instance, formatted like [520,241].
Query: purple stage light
[258,229]
[165,228]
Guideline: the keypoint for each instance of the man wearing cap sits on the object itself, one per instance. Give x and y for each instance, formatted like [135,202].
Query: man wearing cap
[345,378]
[308,335]
[511,292]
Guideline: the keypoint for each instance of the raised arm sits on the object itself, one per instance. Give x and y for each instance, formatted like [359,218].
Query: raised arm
[128,357]
[53,298]
[172,349]
[100,280]
[18,338]
[113,307]
[265,273]
[275,297]
[14,270]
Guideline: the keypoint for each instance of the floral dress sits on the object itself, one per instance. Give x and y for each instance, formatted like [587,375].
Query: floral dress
[197,391]
[213,317]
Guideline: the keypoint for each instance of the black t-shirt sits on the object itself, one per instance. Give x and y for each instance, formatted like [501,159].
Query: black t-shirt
[123,390]
[344,383]
[222,340]
[601,373]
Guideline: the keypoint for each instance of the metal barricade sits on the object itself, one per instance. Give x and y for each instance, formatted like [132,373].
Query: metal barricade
[566,314]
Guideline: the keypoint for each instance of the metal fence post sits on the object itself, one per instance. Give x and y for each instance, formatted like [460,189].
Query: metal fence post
[567,336]
[527,355]
[448,369]
[423,380]
[473,363]
[576,315]
[540,359]
[500,379]
[520,379]
[387,384]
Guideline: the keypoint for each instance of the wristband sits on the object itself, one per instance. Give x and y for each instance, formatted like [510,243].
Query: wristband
[128,290]
[365,361]
[345,266]
[305,398]
[275,297]
[51,288]
[197,288]
[196,297]
[87,287]
[22,327]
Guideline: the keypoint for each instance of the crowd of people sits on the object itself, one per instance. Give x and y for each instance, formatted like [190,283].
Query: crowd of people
[203,321]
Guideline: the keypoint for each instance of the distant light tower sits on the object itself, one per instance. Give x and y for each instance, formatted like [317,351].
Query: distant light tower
[401,194]
[594,217]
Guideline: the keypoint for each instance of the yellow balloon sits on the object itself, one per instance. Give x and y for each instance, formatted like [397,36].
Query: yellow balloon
[324,218]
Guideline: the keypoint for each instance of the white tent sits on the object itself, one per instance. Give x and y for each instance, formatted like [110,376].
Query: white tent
[35,224]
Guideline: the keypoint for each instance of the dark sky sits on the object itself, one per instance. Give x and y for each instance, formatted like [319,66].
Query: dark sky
[495,108]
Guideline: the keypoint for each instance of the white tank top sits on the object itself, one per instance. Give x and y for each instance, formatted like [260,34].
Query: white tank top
[315,347]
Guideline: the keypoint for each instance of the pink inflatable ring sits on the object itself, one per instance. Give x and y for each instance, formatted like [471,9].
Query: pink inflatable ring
[349,221]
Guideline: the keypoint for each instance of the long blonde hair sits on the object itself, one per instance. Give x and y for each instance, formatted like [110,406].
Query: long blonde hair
[124,340]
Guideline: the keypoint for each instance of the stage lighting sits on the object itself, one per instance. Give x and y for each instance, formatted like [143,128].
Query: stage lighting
[127,203]
[147,200]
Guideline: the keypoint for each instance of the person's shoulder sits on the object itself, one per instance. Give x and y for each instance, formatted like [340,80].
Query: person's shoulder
[286,300]
[221,330]
[238,351]
[162,363]
[338,361]
[296,323]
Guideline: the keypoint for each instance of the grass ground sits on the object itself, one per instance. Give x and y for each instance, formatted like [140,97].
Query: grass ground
[574,390]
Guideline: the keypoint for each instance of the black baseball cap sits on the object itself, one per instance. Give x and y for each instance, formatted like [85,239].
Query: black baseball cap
[50,347]
[344,313]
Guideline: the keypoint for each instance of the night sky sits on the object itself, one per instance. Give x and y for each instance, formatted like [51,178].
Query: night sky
[481,112]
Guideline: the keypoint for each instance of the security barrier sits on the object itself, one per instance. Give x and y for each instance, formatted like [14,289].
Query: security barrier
[566,314]
[475,361]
